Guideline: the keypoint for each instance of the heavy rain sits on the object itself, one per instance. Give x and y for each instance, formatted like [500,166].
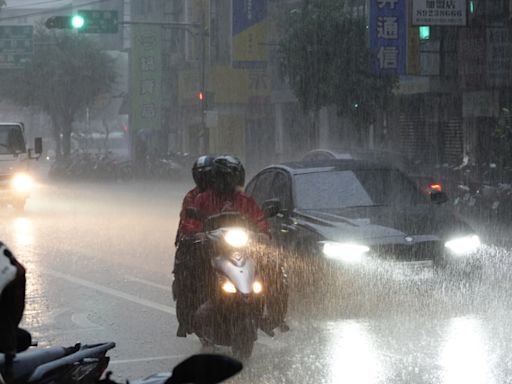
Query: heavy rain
[318,189]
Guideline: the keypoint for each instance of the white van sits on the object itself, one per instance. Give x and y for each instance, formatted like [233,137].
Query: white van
[15,178]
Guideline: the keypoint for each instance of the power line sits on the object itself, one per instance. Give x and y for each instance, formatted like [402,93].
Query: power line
[51,10]
[34,4]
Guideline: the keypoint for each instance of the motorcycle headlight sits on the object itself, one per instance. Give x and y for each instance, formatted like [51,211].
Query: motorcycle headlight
[257,287]
[21,182]
[236,237]
[463,245]
[228,287]
[346,252]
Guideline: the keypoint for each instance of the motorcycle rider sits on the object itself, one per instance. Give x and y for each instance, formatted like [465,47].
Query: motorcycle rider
[185,273]
[226,195]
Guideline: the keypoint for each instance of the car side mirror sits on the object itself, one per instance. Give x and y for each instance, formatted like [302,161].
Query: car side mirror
[438,197]
[38,146]
[192,213]
[205,368]
[271,207]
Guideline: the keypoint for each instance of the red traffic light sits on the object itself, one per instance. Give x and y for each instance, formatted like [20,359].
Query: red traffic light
[200,96]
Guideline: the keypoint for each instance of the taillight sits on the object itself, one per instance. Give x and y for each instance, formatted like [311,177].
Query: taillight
[436,187]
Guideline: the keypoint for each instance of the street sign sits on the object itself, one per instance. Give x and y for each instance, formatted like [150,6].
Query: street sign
[439,12]
[16,45]
[99,21]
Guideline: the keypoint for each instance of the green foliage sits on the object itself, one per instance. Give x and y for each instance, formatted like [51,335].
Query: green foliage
[67,72]
[326,60]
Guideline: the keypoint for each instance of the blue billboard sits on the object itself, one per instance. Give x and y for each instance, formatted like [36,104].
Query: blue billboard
[388,36]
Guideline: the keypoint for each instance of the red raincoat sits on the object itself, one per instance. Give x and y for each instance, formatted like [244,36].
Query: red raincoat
[210,203]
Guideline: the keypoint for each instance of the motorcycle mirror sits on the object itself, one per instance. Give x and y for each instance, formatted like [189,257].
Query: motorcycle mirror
[271,207]
[205,369]
[438,197]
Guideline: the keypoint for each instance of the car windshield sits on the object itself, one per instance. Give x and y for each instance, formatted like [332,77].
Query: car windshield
[354,189]
[11,140]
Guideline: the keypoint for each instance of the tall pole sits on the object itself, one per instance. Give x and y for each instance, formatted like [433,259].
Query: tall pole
[202,133]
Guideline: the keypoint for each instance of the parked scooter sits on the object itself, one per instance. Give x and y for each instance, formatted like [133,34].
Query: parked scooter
[235,291]
[203,369]
[58,365]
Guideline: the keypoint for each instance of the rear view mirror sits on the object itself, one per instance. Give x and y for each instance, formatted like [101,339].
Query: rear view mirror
[38,145]
[205,368]
[438,197]
[271,207]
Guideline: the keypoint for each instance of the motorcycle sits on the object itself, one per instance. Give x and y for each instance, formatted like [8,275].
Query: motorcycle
[59,365]
[235,291]
[85,364]
[203,368]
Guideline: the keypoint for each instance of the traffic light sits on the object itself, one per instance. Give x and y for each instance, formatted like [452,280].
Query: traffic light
[424,32]
[77,21]
[206,99]
[88,21]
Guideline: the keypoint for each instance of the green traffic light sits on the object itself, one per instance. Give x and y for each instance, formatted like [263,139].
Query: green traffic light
[77,21]
[424,31]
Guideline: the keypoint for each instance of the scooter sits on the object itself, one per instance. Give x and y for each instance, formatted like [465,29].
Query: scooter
[235,292]
[203,369]
[85,364]
[58,365]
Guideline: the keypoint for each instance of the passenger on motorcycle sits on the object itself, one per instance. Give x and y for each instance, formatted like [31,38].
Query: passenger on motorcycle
[185,271]
[226,195]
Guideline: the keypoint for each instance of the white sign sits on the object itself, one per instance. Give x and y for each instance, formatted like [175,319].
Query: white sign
[439,12]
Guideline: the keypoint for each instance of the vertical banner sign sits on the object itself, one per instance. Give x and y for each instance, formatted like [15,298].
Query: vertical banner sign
[249,40]
[146,77]
[388,36]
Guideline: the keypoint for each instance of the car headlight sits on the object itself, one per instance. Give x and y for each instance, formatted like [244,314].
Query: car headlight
[21,182]
[463,245]
[228,287]
[236,237]
[347,252]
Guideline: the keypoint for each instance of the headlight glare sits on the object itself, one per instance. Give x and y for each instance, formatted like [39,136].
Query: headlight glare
[463,245]
[21,182]
[236,237]
[257,287]
[347,252]
[228,287]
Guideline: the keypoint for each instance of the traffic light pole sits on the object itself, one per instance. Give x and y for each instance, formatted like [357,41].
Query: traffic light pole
[192,29]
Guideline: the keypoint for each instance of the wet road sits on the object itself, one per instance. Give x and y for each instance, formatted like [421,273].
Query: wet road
[99,260]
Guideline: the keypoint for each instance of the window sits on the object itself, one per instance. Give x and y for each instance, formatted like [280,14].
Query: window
[262,187]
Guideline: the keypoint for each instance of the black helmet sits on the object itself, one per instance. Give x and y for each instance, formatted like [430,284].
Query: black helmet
[202,172]
[228,173]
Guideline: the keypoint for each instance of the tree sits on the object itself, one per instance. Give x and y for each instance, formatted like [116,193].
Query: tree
[326,60]
[66,73]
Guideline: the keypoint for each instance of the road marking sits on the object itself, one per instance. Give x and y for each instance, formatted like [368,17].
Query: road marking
[145,359]
[82,321]
[112,292]
[150,283]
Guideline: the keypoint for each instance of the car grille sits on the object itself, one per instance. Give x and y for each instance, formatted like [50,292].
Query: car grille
[426,250]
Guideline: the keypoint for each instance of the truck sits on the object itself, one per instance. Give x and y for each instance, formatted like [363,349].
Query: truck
[16,181]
